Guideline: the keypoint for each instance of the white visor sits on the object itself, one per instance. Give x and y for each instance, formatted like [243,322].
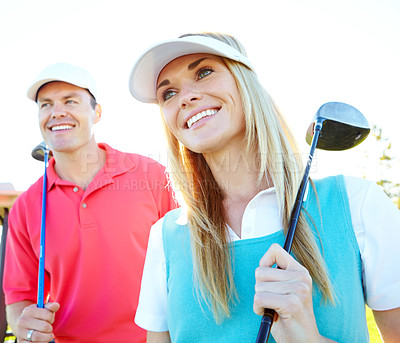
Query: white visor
[144,75]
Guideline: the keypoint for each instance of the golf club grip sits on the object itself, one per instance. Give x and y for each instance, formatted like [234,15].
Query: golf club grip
[268,317]
[41,270]
[265,327]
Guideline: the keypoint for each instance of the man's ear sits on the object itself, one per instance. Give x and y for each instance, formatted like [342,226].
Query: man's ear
[98,113]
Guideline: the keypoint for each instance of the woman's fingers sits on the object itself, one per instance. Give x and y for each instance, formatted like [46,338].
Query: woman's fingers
[285,301]
[277,255]
[269,274]
[285,290]
[282,283]
[288,291]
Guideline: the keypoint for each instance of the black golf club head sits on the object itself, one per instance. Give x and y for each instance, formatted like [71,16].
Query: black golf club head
[38,152]
[343,127]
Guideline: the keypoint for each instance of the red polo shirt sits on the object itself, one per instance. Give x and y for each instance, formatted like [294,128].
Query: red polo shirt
[95,246]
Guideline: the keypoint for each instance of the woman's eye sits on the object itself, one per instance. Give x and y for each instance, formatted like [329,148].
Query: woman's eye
[70,102]
[168,94]
[204,72]
[44,105]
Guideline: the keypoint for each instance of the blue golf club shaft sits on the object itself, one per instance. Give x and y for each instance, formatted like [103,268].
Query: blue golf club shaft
[268,317]
[40,294]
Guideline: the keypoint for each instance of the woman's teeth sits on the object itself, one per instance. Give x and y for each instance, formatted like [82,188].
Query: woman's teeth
[200,115]
[61,127]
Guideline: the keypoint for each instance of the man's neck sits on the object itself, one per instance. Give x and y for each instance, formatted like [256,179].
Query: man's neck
[81,166]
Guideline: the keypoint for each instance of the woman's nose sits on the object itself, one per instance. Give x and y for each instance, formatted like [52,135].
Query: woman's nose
[188,95]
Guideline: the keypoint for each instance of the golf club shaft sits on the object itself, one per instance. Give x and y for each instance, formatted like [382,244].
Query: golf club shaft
[268,317]
[40,294]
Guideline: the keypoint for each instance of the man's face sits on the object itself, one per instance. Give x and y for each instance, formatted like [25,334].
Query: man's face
[66,116]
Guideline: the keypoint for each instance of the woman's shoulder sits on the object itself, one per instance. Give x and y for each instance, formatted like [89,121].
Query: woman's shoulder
[366,193]
[172,220]
[354,186]
[175,217]
[361,193]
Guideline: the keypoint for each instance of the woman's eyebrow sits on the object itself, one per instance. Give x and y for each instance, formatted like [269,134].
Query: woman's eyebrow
[164,83]
[195,63]
[191,66]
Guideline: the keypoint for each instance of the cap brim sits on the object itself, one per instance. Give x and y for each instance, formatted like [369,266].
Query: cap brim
[34,88]
[63,72]
[144,75]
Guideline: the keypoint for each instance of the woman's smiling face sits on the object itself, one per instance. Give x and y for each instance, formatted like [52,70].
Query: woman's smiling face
[201,103]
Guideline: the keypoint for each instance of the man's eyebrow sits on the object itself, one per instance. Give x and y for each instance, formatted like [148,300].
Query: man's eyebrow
[72,95]
[43,99]
[68,96]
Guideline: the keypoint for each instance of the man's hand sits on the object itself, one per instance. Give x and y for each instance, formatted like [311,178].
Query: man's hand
[28,318]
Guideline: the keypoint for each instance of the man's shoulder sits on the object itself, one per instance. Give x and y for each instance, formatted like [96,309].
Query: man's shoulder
[138,161]
[132,155]
[146,160]
[33,189]
[147,166]
[29,196]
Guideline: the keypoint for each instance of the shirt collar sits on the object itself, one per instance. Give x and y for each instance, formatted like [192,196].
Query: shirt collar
[116,164]
[183,220]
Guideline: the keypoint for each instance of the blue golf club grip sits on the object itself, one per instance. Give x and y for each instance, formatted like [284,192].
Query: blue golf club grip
[40,294]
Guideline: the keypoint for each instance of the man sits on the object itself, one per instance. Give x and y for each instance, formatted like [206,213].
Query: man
[101,204]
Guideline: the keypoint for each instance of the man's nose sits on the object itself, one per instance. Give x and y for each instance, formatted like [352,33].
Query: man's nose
[58,111]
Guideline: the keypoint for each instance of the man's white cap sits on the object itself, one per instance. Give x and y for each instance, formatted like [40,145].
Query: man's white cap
[144,75]
[66,73]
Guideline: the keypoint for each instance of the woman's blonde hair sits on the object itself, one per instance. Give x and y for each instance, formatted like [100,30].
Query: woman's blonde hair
[267,137]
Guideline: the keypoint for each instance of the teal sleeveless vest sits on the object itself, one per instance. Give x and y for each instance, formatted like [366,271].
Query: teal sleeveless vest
[189,317]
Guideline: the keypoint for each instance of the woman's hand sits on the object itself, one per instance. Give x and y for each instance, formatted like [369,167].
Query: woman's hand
[288,291]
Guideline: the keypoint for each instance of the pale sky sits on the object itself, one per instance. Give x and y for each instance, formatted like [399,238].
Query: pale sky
[305,52]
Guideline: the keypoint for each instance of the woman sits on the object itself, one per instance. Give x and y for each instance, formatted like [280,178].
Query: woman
[234,161]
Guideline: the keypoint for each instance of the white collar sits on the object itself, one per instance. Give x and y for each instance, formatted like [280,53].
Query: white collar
[183,220]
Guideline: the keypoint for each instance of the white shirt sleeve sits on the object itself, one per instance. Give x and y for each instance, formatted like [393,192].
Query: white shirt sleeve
[376,223]
[151,313]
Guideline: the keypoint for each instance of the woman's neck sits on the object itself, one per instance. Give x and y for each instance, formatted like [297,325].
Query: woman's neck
[238,175]
[236,172]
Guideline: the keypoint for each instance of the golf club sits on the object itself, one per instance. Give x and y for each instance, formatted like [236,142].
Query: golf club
[38,152]
[336,126]
[41,153]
